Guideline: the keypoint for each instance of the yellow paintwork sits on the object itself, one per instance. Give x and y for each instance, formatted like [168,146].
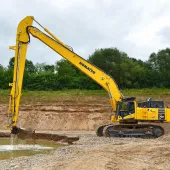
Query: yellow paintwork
[167,114]
[144,114]
[22,39]
[113,118]
[19,65]
[93,72]
[151,114]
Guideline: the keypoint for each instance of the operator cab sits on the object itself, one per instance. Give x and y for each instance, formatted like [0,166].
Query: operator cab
[126,109]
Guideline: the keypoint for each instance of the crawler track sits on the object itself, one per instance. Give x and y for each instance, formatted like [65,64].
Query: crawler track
[131,130]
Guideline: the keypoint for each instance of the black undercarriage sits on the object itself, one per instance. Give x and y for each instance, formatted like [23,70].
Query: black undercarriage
[131,130]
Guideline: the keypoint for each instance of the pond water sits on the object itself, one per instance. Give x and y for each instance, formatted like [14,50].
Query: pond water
[10,147]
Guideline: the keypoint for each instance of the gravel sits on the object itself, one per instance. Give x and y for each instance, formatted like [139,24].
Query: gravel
[92,152]
[86,142]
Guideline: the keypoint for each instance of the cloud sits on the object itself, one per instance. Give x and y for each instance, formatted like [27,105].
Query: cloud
[135,27]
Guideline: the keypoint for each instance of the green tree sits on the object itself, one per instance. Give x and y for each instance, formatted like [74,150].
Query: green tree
[109,60]
[160,63]
[49,68]
[42,81]
[29,66]
[69,77]
[127,72]
[43,67]
[63,67]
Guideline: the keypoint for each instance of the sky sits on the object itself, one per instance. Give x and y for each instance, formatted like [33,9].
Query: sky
[136,27]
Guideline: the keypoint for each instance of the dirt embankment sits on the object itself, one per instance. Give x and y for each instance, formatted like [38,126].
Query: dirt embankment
[81,113]
[65,113]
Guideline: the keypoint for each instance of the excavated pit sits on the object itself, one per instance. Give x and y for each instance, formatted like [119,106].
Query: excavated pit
[28,144]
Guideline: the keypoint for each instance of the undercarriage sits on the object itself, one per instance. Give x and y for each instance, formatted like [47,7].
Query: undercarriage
[131,130]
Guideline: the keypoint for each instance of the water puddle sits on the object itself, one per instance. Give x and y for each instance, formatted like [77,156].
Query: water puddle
[11,148]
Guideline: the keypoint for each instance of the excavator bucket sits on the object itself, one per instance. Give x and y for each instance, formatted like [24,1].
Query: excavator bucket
[32,134]
[24,133]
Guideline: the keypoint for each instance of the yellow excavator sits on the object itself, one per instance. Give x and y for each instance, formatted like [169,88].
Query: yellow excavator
[144,119]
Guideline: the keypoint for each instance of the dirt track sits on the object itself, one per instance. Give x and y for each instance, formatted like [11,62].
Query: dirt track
[83,115]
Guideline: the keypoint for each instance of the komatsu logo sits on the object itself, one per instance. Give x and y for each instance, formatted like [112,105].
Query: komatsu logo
[88,68]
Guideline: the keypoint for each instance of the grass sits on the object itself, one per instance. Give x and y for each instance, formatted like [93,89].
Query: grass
[146,92]
[45,96]
[126,92]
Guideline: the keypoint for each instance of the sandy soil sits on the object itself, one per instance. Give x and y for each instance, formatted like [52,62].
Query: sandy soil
[78,113]
[67,113]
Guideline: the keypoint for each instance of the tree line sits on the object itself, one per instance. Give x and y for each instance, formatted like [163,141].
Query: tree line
[127,72]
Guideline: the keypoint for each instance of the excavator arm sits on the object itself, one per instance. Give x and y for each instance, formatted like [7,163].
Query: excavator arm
[24,30]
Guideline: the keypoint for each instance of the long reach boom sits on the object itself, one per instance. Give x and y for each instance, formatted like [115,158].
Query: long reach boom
[24,30]
[128,113]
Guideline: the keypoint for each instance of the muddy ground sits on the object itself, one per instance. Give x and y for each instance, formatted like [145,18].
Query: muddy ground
[79,116]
